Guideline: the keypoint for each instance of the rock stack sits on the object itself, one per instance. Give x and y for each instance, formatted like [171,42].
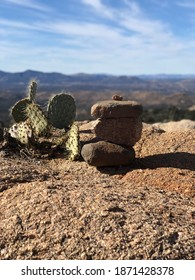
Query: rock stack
[119,127]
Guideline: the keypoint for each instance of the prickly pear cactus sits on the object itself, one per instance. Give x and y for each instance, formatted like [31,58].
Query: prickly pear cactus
[55,131]
[21,131]
[18,110]
[61,110]
[37,119]
[32,89]
[72,146]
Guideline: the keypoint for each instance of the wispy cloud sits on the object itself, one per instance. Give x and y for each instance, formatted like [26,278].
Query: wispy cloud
[31,4]
[132,18]
[14,25]
[97,4]
[186,4]
[99,7]
[115,40]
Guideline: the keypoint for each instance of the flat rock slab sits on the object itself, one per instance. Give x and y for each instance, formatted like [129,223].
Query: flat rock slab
[107,154]
[183,125]
[116,109]
[124,131]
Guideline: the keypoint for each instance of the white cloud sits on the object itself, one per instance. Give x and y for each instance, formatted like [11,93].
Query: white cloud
[81,29]
[134,7]
[97,4]
[16,24]
[134,43]
[30,4]
[100,8]
[66,28]
[186,4]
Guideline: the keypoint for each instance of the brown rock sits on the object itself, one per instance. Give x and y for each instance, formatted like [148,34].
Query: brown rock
[124,131]
[183,125]
[107,154]
[116,109]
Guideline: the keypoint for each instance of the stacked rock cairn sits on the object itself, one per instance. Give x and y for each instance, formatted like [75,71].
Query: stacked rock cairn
[118,128]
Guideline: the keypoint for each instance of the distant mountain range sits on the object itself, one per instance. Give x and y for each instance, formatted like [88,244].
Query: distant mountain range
[153,91]
[97,82]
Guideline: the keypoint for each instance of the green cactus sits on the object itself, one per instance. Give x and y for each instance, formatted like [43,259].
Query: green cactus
[72,146]
[61,110]
[21,131]
[37,119]
[57,130]
[32,90]
[18,110]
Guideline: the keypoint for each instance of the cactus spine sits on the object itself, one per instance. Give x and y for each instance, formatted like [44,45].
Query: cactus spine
[61,110]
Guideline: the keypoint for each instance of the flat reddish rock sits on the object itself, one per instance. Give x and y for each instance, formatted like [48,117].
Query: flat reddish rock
[123,131]
[116,109]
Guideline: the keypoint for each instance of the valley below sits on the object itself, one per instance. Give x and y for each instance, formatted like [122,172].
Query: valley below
[164,97]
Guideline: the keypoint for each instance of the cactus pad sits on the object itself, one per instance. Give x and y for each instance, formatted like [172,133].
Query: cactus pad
[21,131]
[32,90]
[72,147]
[18,110]
[37,119]
[61,110]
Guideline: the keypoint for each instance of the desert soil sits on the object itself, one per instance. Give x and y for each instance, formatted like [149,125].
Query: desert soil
[51,208]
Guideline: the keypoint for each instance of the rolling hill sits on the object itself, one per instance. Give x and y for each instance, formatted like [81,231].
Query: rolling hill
[153,91]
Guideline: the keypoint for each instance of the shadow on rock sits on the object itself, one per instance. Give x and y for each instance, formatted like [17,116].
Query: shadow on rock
[179,160]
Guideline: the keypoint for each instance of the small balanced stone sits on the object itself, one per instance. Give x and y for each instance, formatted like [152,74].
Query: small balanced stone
[103,153]
[117,97]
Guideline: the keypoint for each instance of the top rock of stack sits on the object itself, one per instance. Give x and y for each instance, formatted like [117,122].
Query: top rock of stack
[116,109]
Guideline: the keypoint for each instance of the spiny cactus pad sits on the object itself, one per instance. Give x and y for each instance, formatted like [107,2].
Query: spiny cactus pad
[37,119]
[61,110]
[72,148]
[32,90]
[21,131]
[18,110]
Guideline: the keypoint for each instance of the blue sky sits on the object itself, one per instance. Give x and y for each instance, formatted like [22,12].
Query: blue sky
[98,36]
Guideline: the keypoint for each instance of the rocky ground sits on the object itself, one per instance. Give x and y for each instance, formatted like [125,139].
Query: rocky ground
[55,209]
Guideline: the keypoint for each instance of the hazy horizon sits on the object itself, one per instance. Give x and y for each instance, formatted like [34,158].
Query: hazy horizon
[98,73]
